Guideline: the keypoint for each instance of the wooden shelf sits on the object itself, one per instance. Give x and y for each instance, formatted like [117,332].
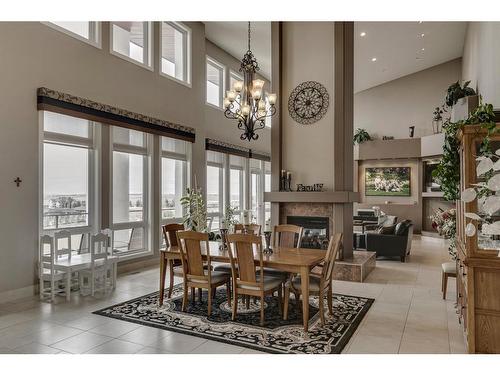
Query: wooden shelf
[311,196]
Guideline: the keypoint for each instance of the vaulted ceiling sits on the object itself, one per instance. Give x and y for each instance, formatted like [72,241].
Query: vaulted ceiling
[386,51]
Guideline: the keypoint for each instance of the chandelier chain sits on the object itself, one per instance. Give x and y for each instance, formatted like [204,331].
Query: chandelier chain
[249,35]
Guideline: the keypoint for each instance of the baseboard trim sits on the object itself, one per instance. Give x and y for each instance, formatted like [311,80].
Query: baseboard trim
[14,294]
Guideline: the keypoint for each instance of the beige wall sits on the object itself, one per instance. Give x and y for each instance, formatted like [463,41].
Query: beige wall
[481,60]
[389,109]
[35,55]
[308,56]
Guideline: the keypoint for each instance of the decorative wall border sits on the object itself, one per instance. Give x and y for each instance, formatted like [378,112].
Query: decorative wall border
[55,101]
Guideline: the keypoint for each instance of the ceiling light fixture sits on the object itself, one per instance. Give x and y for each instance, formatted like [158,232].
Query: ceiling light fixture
[423,49]
[246,101]
[374,59]
[422,35]
[362,33]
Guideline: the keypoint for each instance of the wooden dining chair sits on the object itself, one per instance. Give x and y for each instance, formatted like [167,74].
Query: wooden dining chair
[320,284]
[287,235]
[247,279]
[175,265]
[196,275]
[250,228]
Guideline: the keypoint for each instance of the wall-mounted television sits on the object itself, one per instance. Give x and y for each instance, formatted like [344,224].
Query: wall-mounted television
[388,181]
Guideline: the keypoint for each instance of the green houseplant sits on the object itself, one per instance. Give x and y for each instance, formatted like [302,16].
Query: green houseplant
[457,91]
[361,136]
[195,216]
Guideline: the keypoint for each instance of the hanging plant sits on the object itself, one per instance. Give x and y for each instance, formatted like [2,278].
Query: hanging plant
[361,136]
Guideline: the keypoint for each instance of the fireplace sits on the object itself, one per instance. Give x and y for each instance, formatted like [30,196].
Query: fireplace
[316,231]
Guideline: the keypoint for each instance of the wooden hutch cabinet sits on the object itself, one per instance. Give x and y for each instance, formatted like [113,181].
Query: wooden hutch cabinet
[478,263]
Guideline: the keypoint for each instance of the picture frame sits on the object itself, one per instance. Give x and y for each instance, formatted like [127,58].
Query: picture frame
[388,181]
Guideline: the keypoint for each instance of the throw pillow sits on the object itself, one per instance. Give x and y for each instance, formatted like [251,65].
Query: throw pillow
[389,229]
[402,228]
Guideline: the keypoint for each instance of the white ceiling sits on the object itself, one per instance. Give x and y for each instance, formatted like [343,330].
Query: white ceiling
[397,46]
[233,38]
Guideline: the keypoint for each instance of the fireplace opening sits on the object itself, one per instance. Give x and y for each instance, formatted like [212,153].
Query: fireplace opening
[316,230]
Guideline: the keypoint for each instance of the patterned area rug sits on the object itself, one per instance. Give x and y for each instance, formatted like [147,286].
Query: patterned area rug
[277,336]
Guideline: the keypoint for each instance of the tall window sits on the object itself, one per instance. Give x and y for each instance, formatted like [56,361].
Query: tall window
[215,82]
[86,31]
[236,183]
[68,175]
[267,188]
[175,159]
[132,41]
[215,189]
[257,187]
[175,45]
[130,190]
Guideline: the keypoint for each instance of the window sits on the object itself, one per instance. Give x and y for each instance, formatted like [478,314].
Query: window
[267,188]
[215,82]
[215,189]
[132,41]
[86,31]
[175,45]
[257,186]
[68,177]
[175,159]
[130,208]
[236,183]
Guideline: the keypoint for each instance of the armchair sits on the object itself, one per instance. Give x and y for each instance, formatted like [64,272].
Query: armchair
[391,245]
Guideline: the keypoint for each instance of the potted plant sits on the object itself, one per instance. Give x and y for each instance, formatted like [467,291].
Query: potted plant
[462,100]
[361,136]
[195,217]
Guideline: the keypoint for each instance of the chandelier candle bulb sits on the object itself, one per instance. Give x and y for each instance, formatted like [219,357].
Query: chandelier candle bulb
[256,94]
[272,99]
[231,95]
[227,102]
[258,84]
[245,109]
[238,86]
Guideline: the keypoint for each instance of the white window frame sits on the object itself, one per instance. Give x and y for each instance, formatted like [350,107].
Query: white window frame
[91,144]
[187,56]
[222,77]
[222,189]
[260,191]
[243,178]
[146,152]
[95,33]
[186,172]
[147,50]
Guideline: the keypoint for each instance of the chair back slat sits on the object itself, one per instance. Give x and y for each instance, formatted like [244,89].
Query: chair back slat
[331,256]
[99,247]
[170,233]
[241,253]
[62,243]
[190,243]
[287,235]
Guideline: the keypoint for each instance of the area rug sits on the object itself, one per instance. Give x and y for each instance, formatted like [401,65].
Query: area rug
[277,336]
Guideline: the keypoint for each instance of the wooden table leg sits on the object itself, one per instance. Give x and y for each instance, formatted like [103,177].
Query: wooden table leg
[163,270]
[304,281]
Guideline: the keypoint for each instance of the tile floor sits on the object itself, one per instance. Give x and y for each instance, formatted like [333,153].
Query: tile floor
[408,316]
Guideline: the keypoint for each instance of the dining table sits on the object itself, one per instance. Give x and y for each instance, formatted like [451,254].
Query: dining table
[289,259]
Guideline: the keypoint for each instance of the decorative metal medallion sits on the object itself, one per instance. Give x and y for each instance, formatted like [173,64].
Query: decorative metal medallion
[308,102]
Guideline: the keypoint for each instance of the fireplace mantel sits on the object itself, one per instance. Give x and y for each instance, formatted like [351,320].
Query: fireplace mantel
[311,196]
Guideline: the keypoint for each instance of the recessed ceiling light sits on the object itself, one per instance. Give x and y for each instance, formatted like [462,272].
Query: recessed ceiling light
[362,34]
[422,35]
[374,59]
[423,49]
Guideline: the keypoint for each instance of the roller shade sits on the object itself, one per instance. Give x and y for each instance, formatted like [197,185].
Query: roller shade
[55,101]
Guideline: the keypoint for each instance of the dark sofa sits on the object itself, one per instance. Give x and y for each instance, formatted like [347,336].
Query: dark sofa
[392,245]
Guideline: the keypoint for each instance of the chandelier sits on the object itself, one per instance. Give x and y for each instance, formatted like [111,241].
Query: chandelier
[247,102]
